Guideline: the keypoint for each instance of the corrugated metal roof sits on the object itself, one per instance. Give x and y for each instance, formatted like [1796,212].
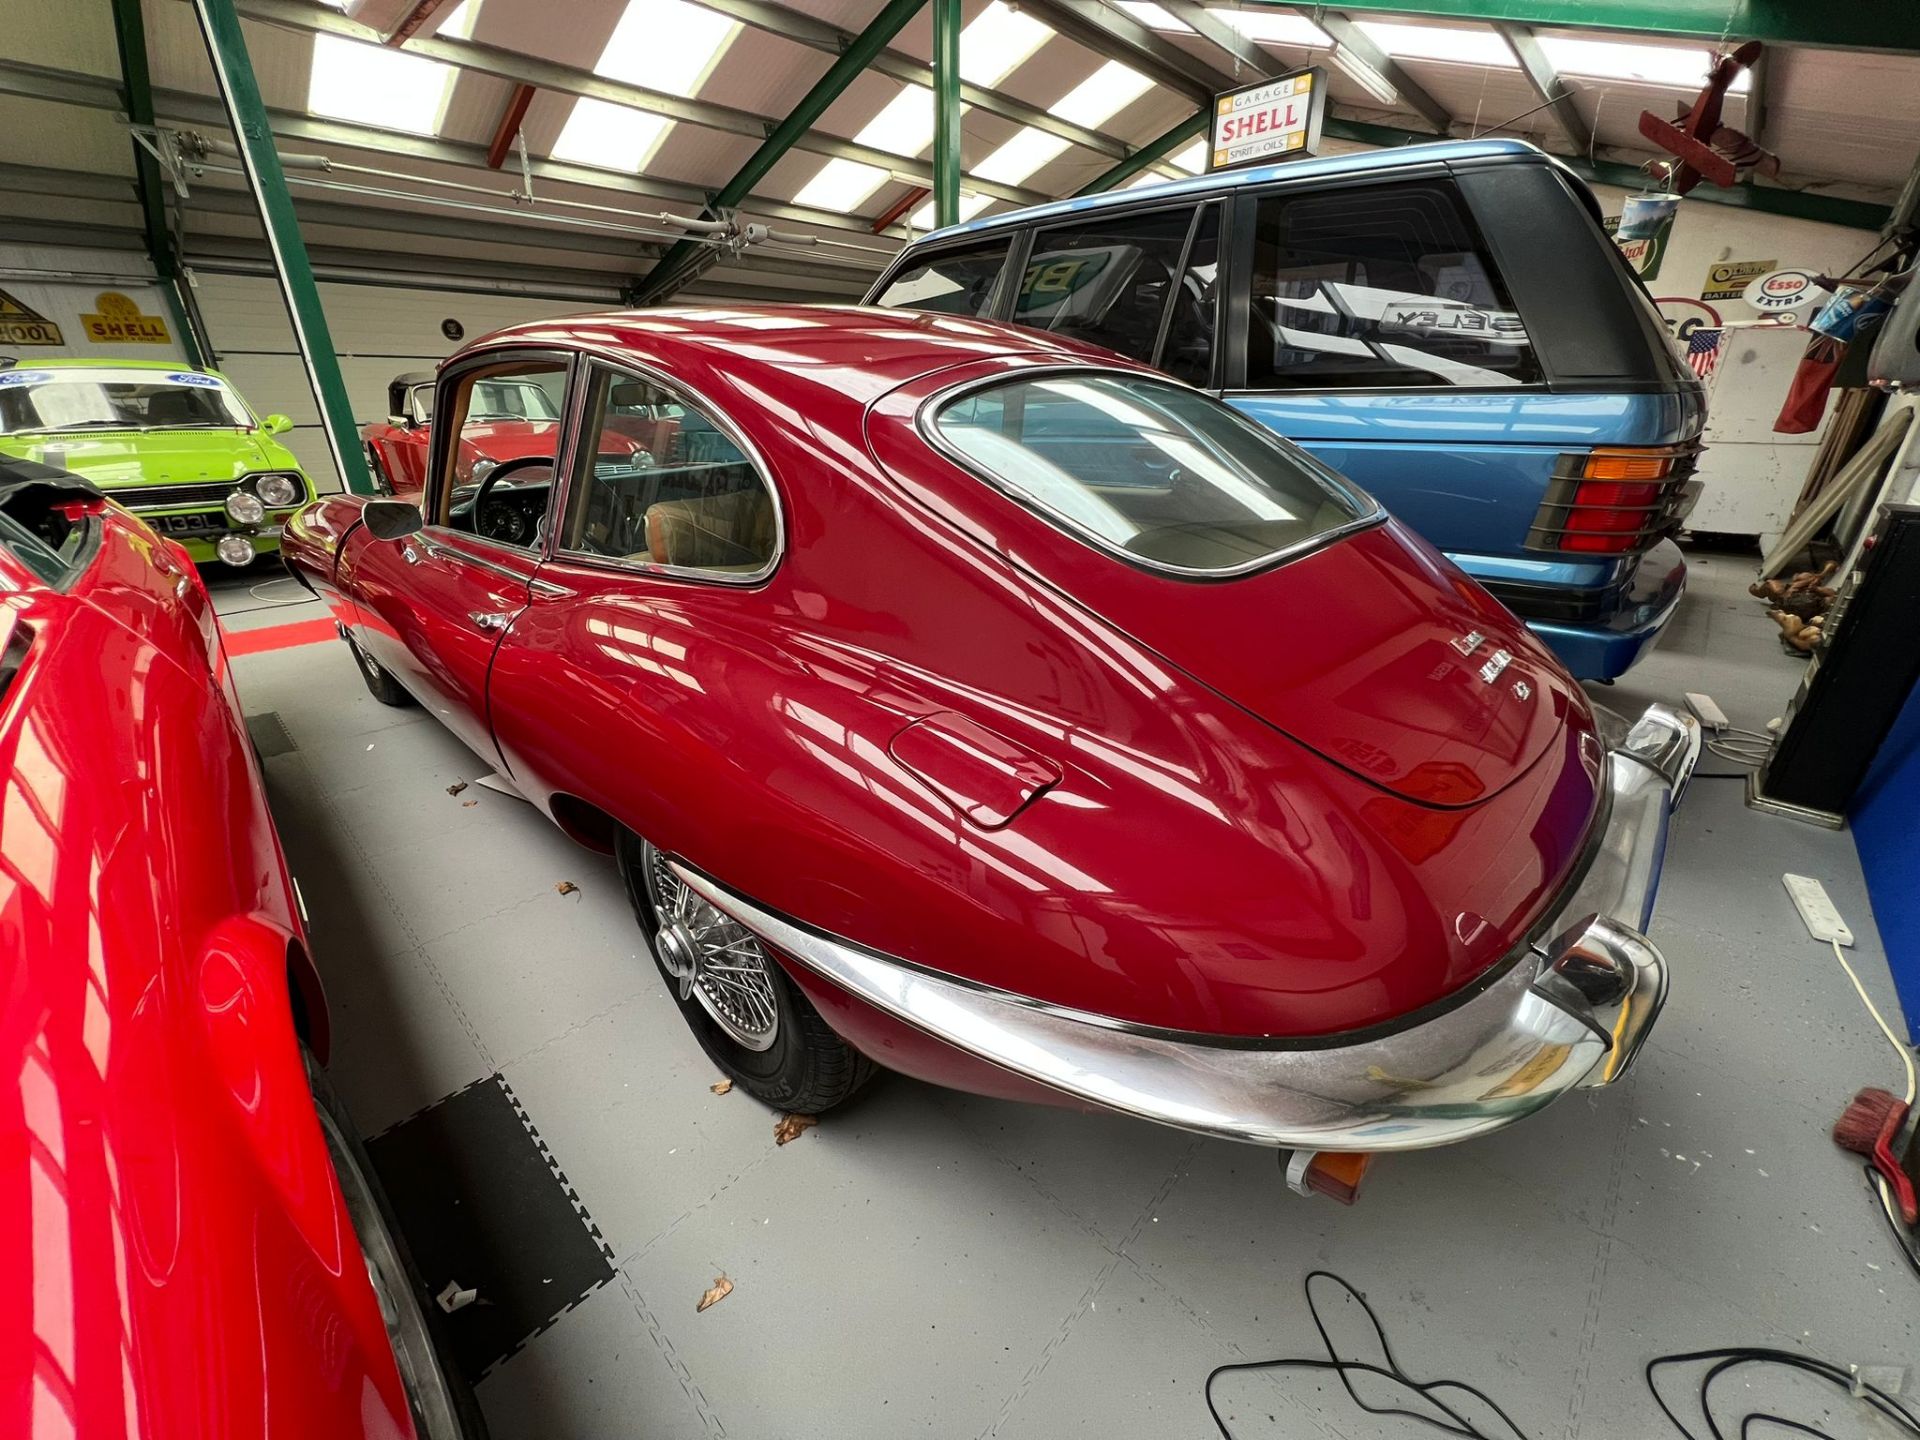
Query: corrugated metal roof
[1845,124]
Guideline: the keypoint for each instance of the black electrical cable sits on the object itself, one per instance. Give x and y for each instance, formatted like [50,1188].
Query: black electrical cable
[1450,1421]
[1735,1356]
[1454,1424]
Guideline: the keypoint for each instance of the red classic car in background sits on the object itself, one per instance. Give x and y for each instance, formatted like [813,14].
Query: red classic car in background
[506,421]
[972,702]
[177,1222]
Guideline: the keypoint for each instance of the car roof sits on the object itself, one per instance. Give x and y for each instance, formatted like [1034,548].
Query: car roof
[849,350]
[1323,166]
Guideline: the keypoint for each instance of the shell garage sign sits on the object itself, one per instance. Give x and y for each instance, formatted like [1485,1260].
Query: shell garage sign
[1275,119]
[119,322]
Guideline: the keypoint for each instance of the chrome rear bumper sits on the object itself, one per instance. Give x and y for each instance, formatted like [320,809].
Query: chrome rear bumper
[1570,1009]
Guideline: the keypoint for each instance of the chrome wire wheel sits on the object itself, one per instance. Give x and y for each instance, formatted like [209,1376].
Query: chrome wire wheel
[712,957]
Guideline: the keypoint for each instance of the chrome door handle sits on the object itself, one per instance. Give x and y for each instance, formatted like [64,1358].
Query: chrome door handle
[409,554]
[491,619]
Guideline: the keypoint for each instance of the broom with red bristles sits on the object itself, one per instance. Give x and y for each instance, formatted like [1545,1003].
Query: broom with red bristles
[1879,1124]
[1873,1126]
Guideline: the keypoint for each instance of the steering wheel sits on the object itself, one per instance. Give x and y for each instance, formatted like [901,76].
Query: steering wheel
[502,521]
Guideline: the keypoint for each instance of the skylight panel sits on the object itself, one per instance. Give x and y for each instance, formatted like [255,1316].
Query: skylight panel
[1193,159]
[1437,42]
[609,136]
[1684,67]
[375,85]
[1099,97]
[1274,27]
[841,186]
[1021,156]
[904,126]
[970,206]
[666,45]
[997,42]
[1155,17]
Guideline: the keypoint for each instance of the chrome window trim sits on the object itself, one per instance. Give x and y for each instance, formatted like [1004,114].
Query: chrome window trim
[439,458]
[1373,512]
[721,421]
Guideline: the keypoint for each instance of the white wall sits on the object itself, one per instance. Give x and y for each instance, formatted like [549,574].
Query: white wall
[1752,475]
[63,285]
[378,331]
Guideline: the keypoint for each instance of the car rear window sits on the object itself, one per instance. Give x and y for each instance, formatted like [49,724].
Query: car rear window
[1375,286]
[1157,473]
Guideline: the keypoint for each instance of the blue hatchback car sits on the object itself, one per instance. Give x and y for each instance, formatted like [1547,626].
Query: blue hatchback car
[1447,324]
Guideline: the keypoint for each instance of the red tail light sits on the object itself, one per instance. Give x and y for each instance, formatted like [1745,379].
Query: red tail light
[1615,502]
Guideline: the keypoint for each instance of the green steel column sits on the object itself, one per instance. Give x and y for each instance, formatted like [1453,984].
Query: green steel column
[130,33]
[861,51]
[232,68]
[1156,149]
[946,112]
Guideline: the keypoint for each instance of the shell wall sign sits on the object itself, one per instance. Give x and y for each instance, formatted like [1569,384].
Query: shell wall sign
[119,322]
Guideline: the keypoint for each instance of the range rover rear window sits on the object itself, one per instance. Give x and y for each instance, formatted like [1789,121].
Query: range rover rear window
[1380,285]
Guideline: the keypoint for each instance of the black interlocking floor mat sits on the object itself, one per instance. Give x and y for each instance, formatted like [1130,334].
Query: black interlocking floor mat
[482,1202]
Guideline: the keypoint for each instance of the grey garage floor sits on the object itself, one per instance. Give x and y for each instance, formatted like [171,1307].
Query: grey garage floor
[926,1263]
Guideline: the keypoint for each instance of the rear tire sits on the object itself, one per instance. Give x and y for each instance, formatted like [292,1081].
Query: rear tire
[796,1062]
[379,680]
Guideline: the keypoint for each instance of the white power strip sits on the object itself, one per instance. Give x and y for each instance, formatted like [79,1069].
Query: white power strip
[1708,713]
[1822,919]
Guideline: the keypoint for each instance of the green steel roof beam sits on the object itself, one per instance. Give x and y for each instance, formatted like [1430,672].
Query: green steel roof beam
[660,281]
[1357,43]
[946,112]
[240,92]
[1155,150]
[1890,26]
[1222,36]
[130,34]
[1116,35]
[1548,85]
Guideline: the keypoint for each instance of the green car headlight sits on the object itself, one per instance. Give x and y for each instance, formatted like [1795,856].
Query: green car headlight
[244,508]
[279,491]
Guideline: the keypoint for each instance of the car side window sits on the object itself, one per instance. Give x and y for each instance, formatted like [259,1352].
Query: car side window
[658,483]
[951,282]
[1118,282]
[503,428]
[1379,286]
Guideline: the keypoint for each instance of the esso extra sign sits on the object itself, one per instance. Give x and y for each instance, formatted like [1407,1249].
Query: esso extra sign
[1783,291]
[1272,120]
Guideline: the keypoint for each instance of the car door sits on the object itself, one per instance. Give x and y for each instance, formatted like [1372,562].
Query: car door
[433,605]
[651,605]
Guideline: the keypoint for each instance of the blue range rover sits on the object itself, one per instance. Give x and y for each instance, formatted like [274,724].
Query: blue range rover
[1447,324]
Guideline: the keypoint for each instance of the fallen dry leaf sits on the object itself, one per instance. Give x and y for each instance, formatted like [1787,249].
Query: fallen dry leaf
[716,1292]
[565,887]
[721,1087]
[792,1127]
[456,787]
[468,804]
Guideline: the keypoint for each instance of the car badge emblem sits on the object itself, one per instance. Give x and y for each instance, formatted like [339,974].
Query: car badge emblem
[1468,643]
[1499,661]
[1522,690]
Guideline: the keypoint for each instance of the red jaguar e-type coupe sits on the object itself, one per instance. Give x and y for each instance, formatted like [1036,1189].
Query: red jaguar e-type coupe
[977,704]
[178,1247]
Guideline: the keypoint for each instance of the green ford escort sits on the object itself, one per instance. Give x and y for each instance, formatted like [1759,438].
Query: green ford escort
[175,445]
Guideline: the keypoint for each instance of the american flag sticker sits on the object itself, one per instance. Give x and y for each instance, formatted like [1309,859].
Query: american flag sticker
[1703,351]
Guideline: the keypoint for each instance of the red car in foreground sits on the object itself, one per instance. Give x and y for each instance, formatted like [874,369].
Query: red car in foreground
[178,1251]
[972,702]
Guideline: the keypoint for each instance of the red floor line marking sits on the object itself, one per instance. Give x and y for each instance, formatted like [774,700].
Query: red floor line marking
[277,637]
